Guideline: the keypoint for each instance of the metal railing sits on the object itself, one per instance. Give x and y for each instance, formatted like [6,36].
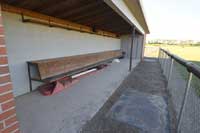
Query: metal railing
[167,60]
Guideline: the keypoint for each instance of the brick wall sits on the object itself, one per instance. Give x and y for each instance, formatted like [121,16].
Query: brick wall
[8,120]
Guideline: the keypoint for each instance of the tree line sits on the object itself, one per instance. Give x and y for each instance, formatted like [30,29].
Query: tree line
[174,42]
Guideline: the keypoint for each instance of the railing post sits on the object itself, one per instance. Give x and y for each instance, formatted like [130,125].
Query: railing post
[163,56]
[165,67]
[168,66]
[184,102]
[164,64]
[159,55]
[170,71]
[161,60]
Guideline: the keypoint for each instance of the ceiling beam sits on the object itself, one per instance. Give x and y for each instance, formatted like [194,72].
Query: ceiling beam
[78,9]
[90,21]
[89,14]
[46,5]
[55,22]
[115,22]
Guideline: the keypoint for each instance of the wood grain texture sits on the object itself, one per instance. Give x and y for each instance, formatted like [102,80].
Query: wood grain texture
[53,67]
[92,13]
[40,18]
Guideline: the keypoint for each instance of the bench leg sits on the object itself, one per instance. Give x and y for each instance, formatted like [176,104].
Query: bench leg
[29,76]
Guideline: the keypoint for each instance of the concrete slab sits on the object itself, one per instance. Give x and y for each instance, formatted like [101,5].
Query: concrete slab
[141,110]
[150,59]
[67,111]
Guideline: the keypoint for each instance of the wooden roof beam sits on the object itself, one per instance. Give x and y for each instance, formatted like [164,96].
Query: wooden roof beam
[89,14]
[78,9]
[44,19]
[90,21]
[49,4]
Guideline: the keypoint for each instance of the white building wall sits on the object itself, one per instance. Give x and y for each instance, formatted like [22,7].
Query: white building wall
[137,46]
[27,41]
[126,45]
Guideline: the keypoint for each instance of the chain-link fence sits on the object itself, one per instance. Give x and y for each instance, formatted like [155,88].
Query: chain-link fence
[151,51]
[184,87]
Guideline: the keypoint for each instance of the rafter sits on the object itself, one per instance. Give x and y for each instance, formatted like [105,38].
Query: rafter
[55,22]
[88,14]
[77,10]
[91,20]
[48,4]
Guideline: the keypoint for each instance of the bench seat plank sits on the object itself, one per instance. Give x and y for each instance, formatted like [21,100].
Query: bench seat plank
[49,68]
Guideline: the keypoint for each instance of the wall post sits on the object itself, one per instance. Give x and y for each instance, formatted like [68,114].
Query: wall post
[131,50]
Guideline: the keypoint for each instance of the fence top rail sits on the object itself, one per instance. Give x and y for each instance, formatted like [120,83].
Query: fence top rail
[191,67]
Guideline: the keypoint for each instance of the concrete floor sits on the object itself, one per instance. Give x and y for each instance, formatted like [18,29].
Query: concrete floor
[139,105]
[68,111]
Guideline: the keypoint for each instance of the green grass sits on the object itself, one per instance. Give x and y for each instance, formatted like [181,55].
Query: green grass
[187,52]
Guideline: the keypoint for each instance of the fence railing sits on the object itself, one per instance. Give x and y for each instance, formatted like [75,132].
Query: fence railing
[183,95]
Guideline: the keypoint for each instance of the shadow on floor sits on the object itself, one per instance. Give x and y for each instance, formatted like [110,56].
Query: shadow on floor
[140,101]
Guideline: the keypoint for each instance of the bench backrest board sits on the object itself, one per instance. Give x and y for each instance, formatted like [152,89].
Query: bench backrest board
[52,67]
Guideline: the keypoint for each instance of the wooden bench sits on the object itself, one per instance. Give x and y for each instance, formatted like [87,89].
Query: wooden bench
[50,70]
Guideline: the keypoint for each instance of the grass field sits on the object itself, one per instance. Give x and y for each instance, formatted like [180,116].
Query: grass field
[189,53]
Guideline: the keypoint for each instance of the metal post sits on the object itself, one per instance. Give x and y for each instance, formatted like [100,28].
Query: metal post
[164,62]
[131,50]
[184,102]
[159,55]
[171,69]
[143,47]
[163,56]
[165,65]
[136,51]
[169,65]
[29,76]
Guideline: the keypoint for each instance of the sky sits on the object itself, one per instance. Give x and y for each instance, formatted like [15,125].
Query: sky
[173,19]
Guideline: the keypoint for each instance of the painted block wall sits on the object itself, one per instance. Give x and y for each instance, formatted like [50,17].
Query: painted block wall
[28,41]
[137,46]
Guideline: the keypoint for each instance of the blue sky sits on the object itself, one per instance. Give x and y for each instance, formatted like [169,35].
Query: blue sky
[173,19]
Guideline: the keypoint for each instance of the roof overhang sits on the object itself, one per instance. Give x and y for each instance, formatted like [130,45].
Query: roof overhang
[132,11]
[136,7]
[106,17]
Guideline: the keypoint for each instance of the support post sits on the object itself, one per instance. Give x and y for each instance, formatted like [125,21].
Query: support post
[29,76]
[136,51]
[171,69]
[184,102]
[162,55]
[163,66]
[131,50]
[166,65]
[143,46]
[159,55]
